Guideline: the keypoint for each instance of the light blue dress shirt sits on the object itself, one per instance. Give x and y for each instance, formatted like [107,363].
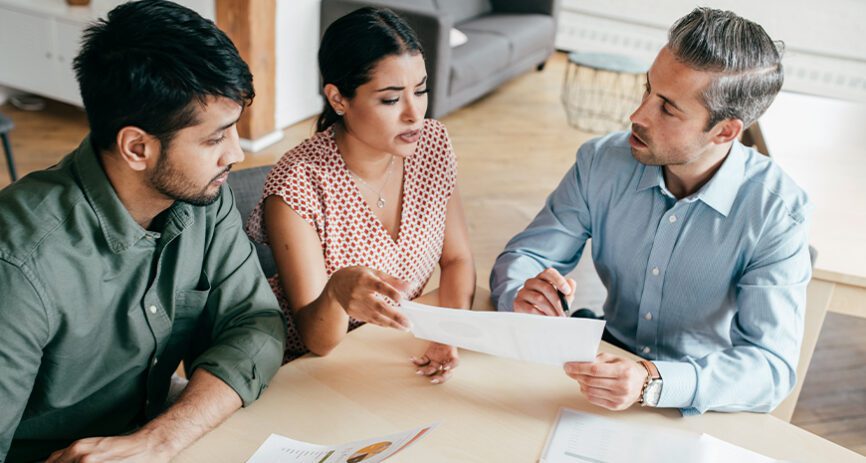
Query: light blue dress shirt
[711,287]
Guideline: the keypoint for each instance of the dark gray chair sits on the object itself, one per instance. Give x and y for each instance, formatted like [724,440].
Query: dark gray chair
[6,126]
[506,38]
[247,185]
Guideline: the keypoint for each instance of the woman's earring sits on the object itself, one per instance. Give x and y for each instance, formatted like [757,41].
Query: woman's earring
[339,113]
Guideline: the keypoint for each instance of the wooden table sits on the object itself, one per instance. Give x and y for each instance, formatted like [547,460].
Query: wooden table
[493,410]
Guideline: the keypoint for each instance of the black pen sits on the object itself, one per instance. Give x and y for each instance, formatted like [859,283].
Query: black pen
[564,303]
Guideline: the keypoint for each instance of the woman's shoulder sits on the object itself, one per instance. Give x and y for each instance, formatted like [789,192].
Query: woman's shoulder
[435,144]
[307,164]
[313,156]
[434,128]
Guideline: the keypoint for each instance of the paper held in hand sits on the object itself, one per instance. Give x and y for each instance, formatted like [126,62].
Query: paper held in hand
[531,338]
[281,449]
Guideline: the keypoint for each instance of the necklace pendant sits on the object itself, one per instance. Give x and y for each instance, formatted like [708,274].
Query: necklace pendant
[381,202]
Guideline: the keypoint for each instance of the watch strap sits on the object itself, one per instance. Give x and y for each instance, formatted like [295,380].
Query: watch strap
[651,369]
[652,374]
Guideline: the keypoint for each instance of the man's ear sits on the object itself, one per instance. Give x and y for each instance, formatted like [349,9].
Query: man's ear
[136,147]
[335,98]
[727,130]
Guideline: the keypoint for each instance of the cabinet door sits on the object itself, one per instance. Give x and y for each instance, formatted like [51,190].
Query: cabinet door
[26,51]
[67,45]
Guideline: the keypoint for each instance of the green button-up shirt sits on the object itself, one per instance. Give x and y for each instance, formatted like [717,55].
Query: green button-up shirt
[96,312]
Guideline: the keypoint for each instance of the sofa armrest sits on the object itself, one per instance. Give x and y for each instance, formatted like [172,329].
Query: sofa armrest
[548,7]
[432,28]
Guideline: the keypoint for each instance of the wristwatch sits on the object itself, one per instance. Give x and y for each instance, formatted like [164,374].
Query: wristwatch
[652,387]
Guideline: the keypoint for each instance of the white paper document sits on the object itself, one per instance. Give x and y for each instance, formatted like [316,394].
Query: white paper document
[281,449]
[585,438]
[532,338]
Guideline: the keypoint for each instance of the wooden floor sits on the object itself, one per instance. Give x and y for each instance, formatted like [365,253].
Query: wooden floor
[514,146]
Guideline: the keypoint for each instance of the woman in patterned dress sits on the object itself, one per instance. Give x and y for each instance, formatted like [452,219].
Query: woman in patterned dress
[360,214]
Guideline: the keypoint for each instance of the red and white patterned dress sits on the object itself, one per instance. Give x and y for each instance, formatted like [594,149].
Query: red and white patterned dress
[314,181]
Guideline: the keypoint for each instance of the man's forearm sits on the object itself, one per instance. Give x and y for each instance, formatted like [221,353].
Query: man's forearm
[205,403]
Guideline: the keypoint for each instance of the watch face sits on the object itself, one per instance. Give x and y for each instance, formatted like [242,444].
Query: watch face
[653,393]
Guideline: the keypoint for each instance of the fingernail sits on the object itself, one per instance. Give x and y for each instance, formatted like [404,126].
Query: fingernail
[447,367]
[435,381]
[419,372]
[564,289]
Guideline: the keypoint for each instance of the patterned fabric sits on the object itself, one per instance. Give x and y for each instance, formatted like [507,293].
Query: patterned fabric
[314,181]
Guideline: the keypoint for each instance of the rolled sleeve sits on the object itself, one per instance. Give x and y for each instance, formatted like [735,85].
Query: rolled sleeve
[246,369]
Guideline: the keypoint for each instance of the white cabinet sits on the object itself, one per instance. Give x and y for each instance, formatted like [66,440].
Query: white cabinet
[36,53]
[39,39]
[67,45]
[26,47]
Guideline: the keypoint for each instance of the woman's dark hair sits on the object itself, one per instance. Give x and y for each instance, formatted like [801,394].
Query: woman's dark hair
[353,45]
[149,65]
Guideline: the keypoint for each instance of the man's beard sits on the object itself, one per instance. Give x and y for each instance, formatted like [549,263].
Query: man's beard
[174,184]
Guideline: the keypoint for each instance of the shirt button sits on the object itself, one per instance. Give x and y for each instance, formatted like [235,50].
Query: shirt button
[154,362]
[152,309]
[672,218]
[655,271]
[646,350]
[648,316]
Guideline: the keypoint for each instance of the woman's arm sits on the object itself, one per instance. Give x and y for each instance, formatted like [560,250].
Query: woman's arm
[321,306]
[457,281]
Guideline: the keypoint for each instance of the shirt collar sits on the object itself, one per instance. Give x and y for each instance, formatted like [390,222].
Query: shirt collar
[720,192]
[118,227]
[651,177]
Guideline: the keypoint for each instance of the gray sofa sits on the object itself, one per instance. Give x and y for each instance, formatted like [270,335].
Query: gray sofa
[506,38]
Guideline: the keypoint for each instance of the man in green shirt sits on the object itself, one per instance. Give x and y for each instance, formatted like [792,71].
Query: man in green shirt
[129,256]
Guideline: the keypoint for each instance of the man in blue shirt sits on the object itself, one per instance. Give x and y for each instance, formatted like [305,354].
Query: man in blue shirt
[700,241]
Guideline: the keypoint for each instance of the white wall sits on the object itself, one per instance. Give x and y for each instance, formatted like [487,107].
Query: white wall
[297,74]
[826,50]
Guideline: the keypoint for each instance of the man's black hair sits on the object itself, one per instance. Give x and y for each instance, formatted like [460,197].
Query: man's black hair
[151,64]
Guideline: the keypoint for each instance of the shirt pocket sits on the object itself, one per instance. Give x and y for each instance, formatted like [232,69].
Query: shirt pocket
[189,303]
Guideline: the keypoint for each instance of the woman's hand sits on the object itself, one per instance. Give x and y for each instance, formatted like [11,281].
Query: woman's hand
[369,295]
[437,363]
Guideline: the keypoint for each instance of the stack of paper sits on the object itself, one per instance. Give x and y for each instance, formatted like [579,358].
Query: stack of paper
[582,437]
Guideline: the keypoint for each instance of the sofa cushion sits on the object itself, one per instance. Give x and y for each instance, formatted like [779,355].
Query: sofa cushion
[480,58]
[526,33]
[428,5]
[461,10]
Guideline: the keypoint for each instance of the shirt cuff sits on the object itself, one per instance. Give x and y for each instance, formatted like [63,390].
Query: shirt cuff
[247,375]
[679,383]
[506,300]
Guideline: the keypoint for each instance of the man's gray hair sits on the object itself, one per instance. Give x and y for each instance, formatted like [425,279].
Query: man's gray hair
[747,62]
